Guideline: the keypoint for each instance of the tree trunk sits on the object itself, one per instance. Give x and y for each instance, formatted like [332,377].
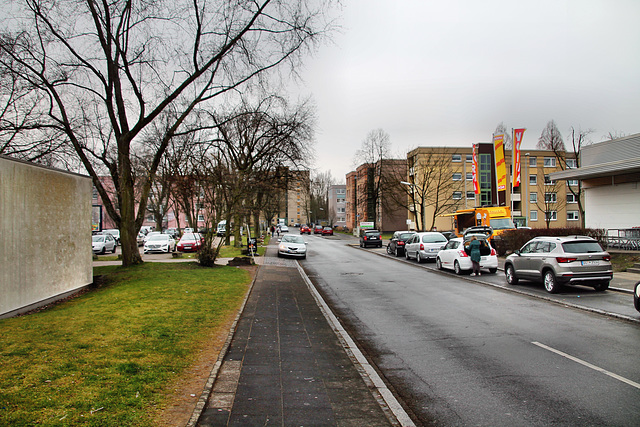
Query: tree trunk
[128,227]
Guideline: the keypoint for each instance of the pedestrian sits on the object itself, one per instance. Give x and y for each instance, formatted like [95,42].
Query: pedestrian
[272,230]
[278,230]
[474,253]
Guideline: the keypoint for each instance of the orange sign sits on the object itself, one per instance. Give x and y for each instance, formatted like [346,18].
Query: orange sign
[517,141]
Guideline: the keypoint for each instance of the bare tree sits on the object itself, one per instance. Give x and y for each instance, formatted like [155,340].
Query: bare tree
[102,72]
[548,201]
[615,135]
[319,196]
[551,138]
[502,129]
[375,148]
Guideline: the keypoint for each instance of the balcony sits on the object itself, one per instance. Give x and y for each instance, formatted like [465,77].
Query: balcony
[516,197]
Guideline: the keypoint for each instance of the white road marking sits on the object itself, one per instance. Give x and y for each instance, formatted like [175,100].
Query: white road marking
[588,365]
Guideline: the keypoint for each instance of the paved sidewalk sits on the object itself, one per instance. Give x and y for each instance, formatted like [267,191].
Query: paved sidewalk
[285,365]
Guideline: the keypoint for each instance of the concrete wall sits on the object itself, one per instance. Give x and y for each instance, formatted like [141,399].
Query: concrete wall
[45,234]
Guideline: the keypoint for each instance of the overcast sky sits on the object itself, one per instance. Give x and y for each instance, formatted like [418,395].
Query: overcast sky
[446,73]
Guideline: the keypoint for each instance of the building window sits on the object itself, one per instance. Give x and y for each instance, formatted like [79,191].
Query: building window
[456,157]
[572,182]
[341,210]
[533,162]
[94,193]
[485,166]
[457,195]
[573,216]
[549,162]
[200,218]
[550,197]
[571,198]
[572,164]
[533,216]
[469,176]
[471,195]
[457,176]
[551,215]
[533,179]
[548,180]
[533,198]
[469,158]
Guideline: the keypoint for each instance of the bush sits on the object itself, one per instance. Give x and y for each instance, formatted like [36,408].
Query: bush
[512,240]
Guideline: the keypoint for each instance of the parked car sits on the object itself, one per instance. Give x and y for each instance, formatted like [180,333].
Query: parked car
[327,231]
[150,234]
[455,255]
[115,233]
[173,232]
[305,229]
[140,238]
[317,229]
[448,234]
[292,245]
[424,246]
[284,229]
[159,243]
[636,296]
[188,230]
[556,261]
[190,242]
[101,243]
[397,242]
[369,237]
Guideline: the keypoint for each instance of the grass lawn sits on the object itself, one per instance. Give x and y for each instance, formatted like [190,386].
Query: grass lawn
[107,358]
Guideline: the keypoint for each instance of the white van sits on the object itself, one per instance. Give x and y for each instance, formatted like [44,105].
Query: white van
[222,228]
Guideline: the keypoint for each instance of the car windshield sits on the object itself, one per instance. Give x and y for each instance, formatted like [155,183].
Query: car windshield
[434,238]
[292,239]
[97,238]
[189,236]
[405,236]
[580,247]
[158,237]
[502,224]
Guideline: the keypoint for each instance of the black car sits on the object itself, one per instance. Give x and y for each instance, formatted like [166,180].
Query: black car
[370,237]
[636,296]
[397,242]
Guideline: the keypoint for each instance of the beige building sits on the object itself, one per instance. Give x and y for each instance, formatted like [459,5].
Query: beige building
[441,180]
[296,210]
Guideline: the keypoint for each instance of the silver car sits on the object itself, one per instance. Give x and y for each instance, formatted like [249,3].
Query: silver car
[424,246]
[101,243]
[159,243]
[292,245]
[555,261]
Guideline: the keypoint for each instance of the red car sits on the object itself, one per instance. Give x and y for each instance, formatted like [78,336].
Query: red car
[190,242]
[327,231]
[305,229]
[317,229]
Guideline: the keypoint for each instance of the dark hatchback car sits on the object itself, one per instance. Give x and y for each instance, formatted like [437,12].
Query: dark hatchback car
[370,238]
[397,242]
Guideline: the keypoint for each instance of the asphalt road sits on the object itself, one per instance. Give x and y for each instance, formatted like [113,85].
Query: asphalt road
[457,352]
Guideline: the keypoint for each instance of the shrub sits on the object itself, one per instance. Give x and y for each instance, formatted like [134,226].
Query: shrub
[513,240]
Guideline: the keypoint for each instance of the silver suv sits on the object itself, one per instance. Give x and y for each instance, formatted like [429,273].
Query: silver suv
[555,261]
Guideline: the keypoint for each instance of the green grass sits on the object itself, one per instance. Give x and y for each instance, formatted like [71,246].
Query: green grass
[622,261]
[105,358]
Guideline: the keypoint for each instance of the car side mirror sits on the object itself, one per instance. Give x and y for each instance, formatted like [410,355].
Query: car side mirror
[306,243]
[517,252]
[279,240]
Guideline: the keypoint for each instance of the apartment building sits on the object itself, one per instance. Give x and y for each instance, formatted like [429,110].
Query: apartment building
[337,205]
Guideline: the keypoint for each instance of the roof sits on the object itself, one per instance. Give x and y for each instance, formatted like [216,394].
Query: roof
[616,157]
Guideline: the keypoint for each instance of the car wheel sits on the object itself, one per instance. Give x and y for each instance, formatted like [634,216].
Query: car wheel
[438,264]
[397,252]
[406,254]
[456,268]
[114,249]
[103,251]
[419,259]
[510,275]
[389,251]
[636,296]
[380,245]
[601,287]
[550,282]
[493,270]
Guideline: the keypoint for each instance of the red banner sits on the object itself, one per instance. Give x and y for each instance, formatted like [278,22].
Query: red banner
[474,170]
[517,141]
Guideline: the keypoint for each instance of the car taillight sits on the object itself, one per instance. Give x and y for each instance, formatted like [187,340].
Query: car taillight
[565,259]
[493,252]
[463,254]
[400,243]
[421,247]
[365,237]
[607,257]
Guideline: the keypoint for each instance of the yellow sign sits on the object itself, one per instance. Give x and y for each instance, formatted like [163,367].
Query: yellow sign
[501,167]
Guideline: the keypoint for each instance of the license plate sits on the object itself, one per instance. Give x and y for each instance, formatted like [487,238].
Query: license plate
[187,247]
[590,262]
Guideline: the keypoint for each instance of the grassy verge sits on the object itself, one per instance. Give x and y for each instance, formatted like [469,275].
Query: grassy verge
[105,358]
[622,261]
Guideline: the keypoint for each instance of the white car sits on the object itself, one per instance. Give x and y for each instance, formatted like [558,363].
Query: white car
[160,243]
[102,243]
[284,229]
[115,233]
[424,246]
[292,245]
[150,234]
[455,257]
